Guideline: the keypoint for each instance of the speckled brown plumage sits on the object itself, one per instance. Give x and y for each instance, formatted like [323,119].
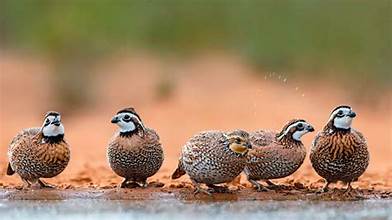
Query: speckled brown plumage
[135,155]
[32,157]
[135,158]
[272,157]
[207,157]
[339,154]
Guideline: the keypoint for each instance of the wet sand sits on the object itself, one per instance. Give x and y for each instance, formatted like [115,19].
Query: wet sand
[241,190]
[186,194]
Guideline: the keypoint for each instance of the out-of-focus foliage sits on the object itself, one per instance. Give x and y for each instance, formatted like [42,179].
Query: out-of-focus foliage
[317,36]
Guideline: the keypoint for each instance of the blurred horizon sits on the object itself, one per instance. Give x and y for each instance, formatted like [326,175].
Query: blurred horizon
[347,41]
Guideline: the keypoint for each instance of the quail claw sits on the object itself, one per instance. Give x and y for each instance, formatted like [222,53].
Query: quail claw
[201,190]
[45,185]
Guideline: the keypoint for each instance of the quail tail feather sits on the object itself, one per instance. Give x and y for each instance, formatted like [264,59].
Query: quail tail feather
[179,171]
[10,171]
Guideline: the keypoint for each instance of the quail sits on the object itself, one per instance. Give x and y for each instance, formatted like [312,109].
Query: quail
[276,155]
[339,152]
[36,153]
[213,157]
[135,152]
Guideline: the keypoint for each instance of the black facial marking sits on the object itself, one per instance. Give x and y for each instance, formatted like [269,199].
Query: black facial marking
[129,110]
[138,128]
[341,106]
[127,118]
[54,139]
[52,113]
[300,127]
[47,122]
[340,114]
[290,123]
[128,133]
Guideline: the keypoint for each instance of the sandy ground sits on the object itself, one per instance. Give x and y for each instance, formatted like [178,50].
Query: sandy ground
[209,92]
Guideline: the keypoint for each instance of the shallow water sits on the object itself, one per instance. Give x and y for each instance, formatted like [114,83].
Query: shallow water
[75,209]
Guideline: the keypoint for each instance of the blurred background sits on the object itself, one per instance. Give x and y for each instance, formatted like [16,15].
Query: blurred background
[188,66]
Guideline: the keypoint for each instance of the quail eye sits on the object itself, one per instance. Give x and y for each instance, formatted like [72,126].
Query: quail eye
[340,113]
[300,125]
[127,117]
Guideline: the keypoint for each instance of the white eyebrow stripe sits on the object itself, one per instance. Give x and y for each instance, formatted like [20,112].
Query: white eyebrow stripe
[344,109]
[132,115]
[289,127]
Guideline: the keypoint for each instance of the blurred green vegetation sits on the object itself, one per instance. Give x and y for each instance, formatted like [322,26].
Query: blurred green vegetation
[315,37]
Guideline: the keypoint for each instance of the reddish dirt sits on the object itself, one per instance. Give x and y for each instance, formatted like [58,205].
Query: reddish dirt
[212,92]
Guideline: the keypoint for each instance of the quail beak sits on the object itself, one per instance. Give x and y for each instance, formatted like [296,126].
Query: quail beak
[352,114]
[310,128]
[56,122]
[115,120]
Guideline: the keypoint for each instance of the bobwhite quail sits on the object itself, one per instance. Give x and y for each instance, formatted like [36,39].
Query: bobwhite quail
[134,152]
[339,153]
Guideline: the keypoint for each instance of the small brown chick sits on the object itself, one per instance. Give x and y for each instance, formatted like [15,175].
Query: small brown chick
[213,157]
[134,152]
[37,153]
[275,155]
[339,153]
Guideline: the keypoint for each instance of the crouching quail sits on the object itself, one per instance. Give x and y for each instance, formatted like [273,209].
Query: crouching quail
[276,155]
[213,157]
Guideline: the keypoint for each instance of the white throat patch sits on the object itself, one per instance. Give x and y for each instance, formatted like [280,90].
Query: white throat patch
[53,130]
[341,122]
[127,126]
[298,134]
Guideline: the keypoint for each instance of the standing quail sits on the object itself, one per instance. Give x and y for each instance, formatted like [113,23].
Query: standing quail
[36,153]
[276,155]
[134,152]
[213,157]
[339,153]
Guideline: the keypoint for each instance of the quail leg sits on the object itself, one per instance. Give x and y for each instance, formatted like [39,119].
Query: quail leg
[45,185]
[273,186]
[129,184]
[143,183]
[325,188]
[26,184]
[349,189]
[198,189]
[270,183]
[258,186]
[123,184]
[218,189]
